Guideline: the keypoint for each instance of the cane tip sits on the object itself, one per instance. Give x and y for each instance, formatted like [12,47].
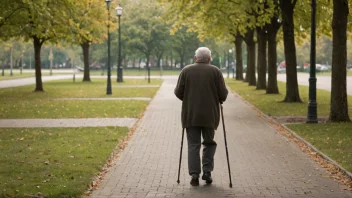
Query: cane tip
[178,181]
[230,185]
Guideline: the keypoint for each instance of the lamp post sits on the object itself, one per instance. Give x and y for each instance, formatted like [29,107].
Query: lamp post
[312,105]
[108,87]
[119,69]
[228,63]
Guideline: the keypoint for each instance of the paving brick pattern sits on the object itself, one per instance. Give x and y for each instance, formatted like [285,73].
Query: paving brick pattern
[263,162]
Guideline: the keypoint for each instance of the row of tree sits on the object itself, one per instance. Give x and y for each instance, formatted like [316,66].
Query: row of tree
[84,23]
[259,21]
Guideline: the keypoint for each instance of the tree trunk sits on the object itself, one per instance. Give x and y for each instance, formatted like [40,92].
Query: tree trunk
[339,104]
[181,62]
[239,61]
[148,68]
[272,28]
[292,92]
[171,60]
[38,73]
[261,63]
[250,74]
[86,75]
[159,57]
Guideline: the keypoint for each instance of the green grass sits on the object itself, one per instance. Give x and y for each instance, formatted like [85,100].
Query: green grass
[333,139]
[22,102]
[57,162]
[271,104]
[136,72]
[71,109]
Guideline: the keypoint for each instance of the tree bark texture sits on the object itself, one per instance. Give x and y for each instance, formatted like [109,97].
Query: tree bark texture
[262,61]
[339,104]
[86,75]
[239,60]
[272,28]
[38,73]
[292,92]
[250,74]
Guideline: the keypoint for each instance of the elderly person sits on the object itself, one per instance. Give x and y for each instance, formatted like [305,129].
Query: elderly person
[201,88]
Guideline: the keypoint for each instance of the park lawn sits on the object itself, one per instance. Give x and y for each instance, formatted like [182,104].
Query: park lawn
[42,108]
[333,139]
[271,104]
[141,72]
[22,102]
[57,162]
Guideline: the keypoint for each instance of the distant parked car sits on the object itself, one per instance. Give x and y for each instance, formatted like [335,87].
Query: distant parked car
[281,70]
[322,68]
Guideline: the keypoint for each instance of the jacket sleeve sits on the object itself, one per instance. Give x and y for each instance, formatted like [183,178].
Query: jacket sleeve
[222,91]
[180,87]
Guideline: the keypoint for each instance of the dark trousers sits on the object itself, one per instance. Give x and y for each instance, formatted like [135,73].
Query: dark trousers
[209,147]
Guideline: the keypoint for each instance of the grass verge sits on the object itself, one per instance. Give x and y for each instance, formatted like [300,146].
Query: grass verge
[21,102]
[333,139]
[55,162]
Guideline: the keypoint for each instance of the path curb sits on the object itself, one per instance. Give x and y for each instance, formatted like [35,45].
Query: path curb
[268,118]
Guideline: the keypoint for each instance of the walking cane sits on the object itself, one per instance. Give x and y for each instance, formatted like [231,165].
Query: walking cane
[227,153]
[179,165]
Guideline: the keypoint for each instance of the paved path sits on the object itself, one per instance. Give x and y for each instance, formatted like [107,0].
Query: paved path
[323,82]
[263,162]
[76,122]
[30,81]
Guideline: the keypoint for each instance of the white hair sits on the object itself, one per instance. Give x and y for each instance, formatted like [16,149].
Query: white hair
[203,54]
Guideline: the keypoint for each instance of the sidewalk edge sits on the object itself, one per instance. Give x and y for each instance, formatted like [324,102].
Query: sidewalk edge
[268,118]
[347,173]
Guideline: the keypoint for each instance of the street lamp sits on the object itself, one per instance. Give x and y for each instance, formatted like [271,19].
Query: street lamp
[108,87]
[119,70]
[312,105]
[228,63]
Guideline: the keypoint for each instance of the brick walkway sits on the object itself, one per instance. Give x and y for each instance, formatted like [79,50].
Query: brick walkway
[263,162]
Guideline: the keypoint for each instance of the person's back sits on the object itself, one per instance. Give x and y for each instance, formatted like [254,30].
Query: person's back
[201,88]
[204,89]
